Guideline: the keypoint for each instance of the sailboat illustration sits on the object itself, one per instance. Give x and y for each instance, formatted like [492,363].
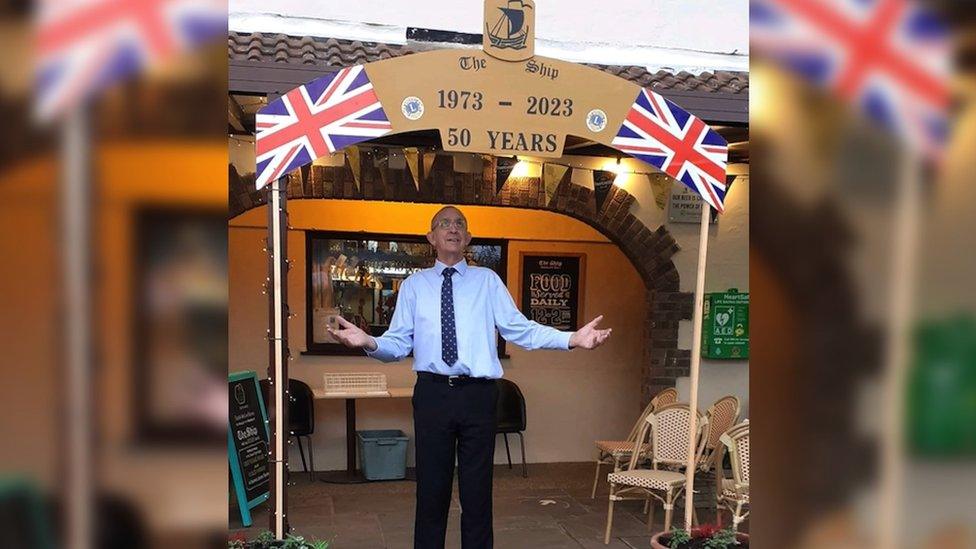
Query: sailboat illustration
[509,30]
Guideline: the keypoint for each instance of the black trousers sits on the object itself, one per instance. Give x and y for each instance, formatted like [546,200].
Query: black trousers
[454,421]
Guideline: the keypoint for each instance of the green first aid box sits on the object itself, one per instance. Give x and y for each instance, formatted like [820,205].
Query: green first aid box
[725,328]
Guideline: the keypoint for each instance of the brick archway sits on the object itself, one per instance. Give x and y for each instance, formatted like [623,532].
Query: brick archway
[649,250]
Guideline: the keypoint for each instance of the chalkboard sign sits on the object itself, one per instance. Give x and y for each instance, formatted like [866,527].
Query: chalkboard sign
[24,521]
[247,444]
[552,289]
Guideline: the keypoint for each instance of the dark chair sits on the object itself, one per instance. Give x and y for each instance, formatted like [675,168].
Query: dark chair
[511,417]
[301,416]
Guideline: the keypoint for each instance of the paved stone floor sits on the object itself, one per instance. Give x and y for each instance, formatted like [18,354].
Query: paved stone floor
[551,508]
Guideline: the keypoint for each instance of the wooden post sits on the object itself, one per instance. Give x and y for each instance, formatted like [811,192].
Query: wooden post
[76,256]
[897,349]
[695,363]
[278,353]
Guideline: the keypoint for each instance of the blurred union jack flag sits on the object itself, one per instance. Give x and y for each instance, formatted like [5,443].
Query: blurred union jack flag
[318,118]
[890,58]
[84,46]
[681,145]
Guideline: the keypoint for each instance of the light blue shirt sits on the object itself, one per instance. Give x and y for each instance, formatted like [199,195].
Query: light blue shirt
[481,304]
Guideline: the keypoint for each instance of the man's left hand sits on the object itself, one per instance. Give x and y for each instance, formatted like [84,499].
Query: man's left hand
[589,336]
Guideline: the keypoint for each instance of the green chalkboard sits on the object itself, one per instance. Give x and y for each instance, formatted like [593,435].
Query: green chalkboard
[24,521]
[247,443]
[725,329]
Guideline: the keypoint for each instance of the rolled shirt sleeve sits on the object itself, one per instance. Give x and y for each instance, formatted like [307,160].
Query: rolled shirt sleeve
[397,342]
[516,328]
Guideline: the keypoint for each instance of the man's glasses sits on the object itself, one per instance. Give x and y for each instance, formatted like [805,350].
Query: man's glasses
[445,224]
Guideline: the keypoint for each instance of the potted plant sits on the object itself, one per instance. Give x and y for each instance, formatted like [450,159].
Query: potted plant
[703,537]
[266,540]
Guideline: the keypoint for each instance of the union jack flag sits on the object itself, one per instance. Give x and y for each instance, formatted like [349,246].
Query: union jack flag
[318,118]
[84,46]
[679,144]
[889,58]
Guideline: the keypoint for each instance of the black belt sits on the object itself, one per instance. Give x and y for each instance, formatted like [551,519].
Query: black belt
[453,381]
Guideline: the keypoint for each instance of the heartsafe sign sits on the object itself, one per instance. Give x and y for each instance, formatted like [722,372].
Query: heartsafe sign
[725,333]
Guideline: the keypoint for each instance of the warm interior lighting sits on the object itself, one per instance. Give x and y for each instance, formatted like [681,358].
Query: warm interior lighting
[521,169]
[615,167]
[764,92]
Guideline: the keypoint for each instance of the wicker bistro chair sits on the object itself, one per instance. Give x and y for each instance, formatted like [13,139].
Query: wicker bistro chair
[721,417]
[668,447]
[734,492]
[616,452]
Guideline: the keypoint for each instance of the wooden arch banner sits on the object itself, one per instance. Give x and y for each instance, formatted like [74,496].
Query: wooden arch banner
[481,104]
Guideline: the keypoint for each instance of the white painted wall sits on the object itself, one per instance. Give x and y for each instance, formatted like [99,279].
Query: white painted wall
[693,35]
[727,266]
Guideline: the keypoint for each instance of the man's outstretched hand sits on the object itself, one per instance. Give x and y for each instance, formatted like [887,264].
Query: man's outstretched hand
[351,335]
[589,336]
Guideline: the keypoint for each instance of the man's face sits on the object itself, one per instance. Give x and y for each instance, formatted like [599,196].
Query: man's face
[450,232]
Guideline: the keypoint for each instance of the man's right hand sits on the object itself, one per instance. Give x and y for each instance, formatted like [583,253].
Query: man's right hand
[351,335]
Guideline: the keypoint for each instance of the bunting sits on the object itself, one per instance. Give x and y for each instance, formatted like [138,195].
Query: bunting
[503,169]
[660,186]
[352,158]
[552,175]
[428,160]
[412,155]
[602,181]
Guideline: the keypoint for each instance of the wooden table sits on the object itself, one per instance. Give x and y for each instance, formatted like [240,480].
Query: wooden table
[350,475]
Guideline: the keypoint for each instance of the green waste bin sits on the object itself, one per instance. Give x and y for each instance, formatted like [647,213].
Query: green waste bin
[383,454]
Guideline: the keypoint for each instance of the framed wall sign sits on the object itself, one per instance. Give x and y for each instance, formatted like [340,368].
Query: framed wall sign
[725,328]
[552,288]
[684,206]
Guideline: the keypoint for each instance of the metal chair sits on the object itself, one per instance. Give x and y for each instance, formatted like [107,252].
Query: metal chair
[301,417]
[668,447]
[733,493]
[511,417]
[615,452]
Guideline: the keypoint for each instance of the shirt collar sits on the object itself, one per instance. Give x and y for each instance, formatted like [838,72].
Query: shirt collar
[461,267]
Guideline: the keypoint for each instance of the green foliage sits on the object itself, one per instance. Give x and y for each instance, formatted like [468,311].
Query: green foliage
[267,539]
[678,537]
[714,538]
[722,539]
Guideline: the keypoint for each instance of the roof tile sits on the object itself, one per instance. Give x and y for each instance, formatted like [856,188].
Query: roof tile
[332,52]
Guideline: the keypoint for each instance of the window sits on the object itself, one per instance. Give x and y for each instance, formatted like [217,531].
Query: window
[357,276]
[179,309]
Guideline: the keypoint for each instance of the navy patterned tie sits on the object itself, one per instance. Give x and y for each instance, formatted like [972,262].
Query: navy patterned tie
[448,333]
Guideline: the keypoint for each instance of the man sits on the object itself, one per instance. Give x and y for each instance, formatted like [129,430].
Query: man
[447,315]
